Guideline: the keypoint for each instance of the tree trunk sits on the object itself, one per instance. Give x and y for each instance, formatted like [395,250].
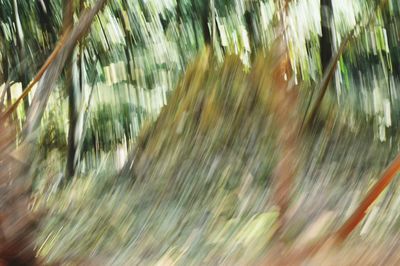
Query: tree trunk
[286,121]
[68,13]
[204,23]
[17,223]
[325,39]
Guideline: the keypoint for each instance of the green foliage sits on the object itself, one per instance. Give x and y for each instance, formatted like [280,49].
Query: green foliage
[209,154]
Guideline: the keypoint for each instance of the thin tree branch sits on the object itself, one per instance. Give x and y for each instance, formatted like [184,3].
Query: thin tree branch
[38,76]
[352,222]
[65,46]
[323,85]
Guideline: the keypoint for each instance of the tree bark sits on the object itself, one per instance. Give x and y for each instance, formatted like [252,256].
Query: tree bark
[71,69]
[286,121]
[204,23]
[325,42]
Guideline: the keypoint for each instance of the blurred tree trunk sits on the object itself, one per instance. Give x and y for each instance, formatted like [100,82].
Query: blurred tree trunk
[325,39]
[286,121]
[70,78]
[17,222]
[204,11]
[248,15]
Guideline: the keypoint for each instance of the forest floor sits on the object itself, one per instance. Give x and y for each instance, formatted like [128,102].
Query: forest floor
[224,224]
[200,189]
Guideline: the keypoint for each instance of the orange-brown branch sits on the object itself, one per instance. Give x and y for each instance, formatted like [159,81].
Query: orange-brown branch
[42,70]
[372,195]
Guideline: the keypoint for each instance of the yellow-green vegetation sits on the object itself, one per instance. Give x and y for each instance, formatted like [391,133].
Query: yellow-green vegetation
[198,132]
[198,189]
